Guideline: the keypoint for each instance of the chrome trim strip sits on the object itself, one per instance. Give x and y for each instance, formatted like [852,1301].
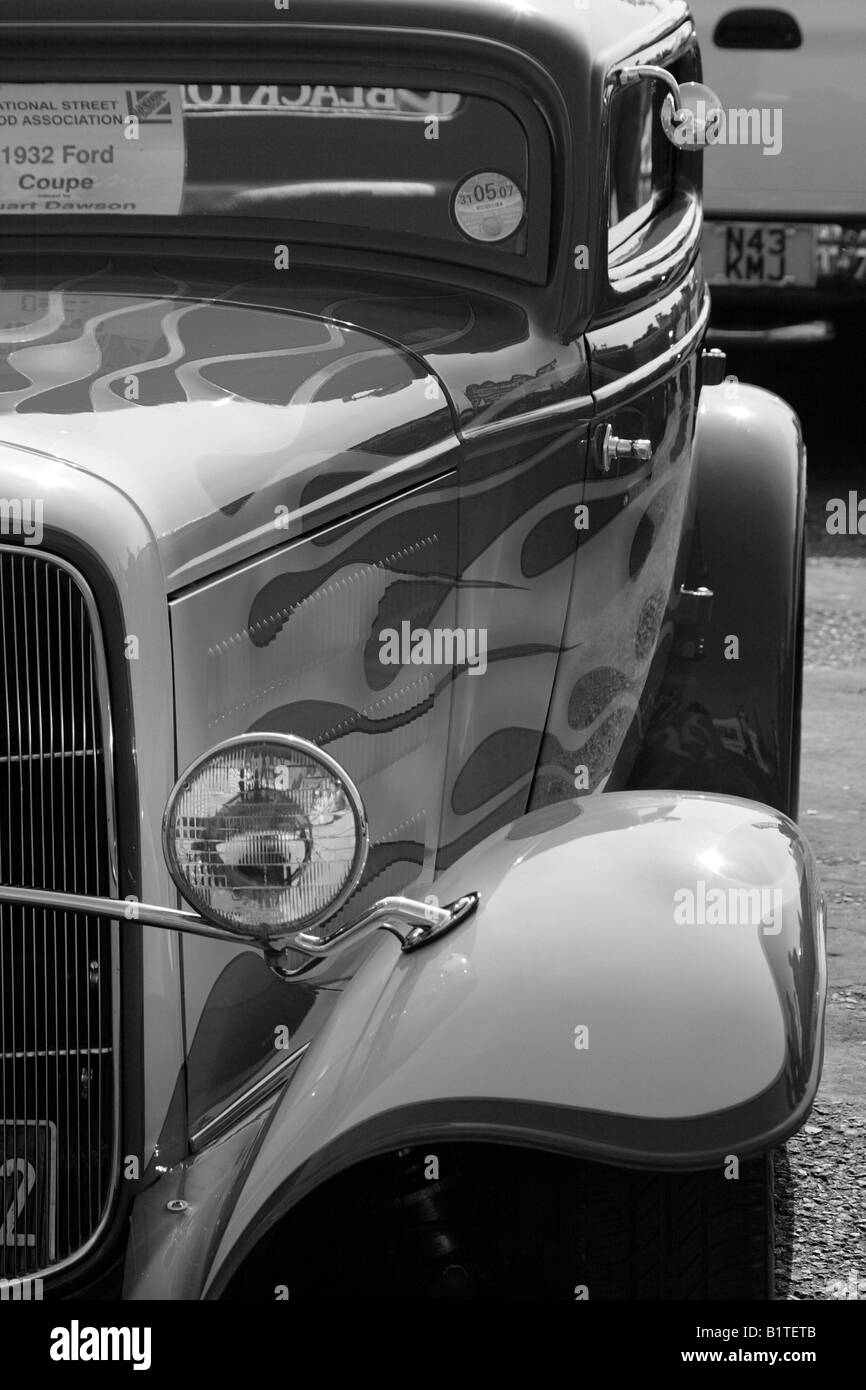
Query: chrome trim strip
[216,1125]
[223,553]
[660,366]
[64,901]
[647,268]
[664,50]
[577,405]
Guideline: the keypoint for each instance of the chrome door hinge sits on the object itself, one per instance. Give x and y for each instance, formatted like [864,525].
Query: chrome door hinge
[692,617]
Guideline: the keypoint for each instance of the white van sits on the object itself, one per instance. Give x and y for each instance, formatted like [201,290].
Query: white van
[785,188]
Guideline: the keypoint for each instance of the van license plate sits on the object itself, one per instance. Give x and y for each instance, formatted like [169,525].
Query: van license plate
[763,254]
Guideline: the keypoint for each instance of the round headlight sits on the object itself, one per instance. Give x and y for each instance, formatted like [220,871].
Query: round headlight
[265,835]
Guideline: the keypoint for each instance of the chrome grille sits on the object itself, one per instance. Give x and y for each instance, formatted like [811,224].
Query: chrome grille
[58,1102]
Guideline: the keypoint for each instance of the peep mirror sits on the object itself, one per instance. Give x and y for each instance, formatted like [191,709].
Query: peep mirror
[692,119]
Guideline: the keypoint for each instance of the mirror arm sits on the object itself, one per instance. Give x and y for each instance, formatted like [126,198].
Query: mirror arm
[415,923]
[626,77]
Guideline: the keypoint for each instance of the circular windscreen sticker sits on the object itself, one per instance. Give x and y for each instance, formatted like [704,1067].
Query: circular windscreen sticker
[488,206]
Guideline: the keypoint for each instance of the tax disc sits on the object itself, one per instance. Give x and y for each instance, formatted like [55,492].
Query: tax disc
[488,206]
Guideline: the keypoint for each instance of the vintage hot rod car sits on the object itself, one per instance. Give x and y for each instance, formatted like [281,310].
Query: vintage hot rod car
[402,613]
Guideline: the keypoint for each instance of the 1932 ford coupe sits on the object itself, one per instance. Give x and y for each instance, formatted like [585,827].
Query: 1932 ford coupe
[401,631]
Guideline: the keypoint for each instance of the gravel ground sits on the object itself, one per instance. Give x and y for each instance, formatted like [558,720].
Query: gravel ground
[836,616]
[821,1175]
[821,1207]
[835,639]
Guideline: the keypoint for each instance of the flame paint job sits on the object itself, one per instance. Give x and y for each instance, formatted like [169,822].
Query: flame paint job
[276,468]
[292,642]
[256,424]
[241,409]
[283,417]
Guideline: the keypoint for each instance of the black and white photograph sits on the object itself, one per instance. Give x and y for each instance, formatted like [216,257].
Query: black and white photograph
[433,702]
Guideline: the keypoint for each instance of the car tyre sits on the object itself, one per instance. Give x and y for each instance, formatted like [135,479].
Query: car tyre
[692,1235]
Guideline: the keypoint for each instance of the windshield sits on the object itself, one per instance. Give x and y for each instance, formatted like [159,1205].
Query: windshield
[448,166]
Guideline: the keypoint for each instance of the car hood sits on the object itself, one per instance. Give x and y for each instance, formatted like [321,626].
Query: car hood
[231,427]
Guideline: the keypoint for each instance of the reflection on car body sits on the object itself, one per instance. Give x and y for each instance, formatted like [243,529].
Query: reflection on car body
[388,671]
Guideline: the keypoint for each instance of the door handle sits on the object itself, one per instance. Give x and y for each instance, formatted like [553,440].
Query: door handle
[757,28]
[613,449]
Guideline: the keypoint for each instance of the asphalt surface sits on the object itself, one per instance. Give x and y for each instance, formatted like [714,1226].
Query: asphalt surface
[821,1176]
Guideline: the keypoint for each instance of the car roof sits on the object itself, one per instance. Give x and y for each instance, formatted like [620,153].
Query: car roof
[566,36]
[555,53]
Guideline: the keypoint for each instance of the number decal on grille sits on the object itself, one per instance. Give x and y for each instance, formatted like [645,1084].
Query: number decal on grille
[26,1183]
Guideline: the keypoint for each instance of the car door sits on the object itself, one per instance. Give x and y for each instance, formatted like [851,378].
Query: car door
[643,347]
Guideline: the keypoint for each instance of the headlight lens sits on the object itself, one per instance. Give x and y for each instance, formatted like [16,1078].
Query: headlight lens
[265,835]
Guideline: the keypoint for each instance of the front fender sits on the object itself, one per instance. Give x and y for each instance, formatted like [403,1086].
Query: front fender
[719,723]
[701,1040]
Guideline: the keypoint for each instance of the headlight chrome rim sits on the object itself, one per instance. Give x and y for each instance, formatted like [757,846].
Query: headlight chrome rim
[264,935]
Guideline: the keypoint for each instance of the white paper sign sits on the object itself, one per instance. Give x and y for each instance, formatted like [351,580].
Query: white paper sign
[91,147]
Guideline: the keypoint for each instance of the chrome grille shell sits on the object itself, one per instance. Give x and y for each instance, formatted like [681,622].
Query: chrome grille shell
[59,972]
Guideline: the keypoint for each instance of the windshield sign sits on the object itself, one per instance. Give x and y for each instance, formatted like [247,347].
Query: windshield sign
[90,148]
